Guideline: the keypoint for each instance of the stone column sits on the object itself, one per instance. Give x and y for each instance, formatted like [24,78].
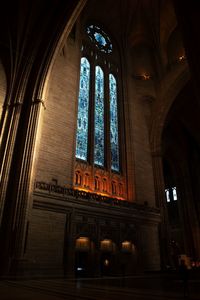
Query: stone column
[189,218]
[18,199]
[11,114]
[149,245]
[161,204]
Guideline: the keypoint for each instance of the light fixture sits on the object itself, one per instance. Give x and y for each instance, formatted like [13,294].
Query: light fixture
[181,57]
[146,76]
[82,244]
[106,245]
[127,247]
[143,76]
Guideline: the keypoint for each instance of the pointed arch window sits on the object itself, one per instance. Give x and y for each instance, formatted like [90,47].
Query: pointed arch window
[99,117]
[96,130]
[114,140]
[83,110]
[171,194]
[99,144]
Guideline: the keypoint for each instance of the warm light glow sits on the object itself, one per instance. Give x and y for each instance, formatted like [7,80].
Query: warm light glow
[181,57]
[146,76]
[106,245]
[98,193]
[82,244]
[186,259]
[106,262]
[127,246]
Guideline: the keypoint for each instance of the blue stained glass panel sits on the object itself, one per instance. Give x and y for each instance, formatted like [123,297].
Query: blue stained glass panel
[83,108]
[100,39]
[99,117]
[114,137]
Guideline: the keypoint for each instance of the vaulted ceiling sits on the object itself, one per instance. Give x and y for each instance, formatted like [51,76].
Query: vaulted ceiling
[30,28]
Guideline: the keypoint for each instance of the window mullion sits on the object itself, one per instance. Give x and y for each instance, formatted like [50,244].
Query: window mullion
[91,115]
[107,121]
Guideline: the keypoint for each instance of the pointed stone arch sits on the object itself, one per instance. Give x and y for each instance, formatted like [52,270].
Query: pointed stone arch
[170,88]
[167,97]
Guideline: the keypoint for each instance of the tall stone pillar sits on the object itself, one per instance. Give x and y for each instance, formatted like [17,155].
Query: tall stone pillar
[161,204]
[190,224]
[70,246]
[18,202]
[149,243]
[10,121]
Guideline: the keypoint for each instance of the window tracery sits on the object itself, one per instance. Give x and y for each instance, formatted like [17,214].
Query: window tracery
[98,149]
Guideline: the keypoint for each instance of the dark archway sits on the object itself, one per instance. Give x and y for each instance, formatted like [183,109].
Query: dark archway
[181,162]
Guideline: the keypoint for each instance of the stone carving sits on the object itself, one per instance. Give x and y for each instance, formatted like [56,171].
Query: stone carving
[52,188]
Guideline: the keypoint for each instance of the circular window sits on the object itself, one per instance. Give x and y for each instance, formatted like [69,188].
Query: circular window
[100,38]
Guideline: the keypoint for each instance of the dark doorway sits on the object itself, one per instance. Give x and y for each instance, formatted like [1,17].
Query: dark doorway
[81,264]
[105,264]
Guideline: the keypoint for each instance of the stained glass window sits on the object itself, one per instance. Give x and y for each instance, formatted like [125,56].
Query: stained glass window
[83,107]
[167,195]
[95,118]
[171,194]
[174,193]
[100,38]
[99,117]
[114,140]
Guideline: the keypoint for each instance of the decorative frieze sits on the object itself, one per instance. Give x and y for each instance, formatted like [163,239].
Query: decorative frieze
[51,188]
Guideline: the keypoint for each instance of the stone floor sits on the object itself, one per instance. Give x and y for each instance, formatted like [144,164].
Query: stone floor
[151,287]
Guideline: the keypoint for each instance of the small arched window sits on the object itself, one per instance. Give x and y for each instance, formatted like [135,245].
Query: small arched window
[114,188]
[96,183]
[78,178]
[104,183]
[86,180]
[120,189]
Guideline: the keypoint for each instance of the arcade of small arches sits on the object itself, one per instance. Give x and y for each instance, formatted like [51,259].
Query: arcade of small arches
[99,184]
[105,257]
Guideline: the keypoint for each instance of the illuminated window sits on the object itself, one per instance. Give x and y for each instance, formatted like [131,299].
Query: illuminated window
[171,194]
[174,193]
[100,144]
[99,38]
[99,117]
[83,107]
[167,195]
[98,93]
[114,143]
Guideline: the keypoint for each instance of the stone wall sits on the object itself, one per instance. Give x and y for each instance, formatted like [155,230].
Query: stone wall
[45,244]
[140,94]
[57,141]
